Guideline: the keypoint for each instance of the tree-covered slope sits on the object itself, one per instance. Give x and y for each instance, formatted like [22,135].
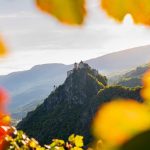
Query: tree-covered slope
[71,107]
[31,86]
[132,78]
[130,82]
[137,72]
[63,112]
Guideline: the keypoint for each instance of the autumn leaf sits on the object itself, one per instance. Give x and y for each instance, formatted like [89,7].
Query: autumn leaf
[115,8]
[33,143]
[120,120]
[3,99]
[71,138]
[145,92]
[79,141]
[138,9]
[66,11]
[3,133]
[4,117]
[3,49]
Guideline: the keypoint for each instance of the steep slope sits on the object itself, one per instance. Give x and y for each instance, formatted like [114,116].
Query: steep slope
[137,72]
[130,82]
[70,108]
[62,113]
[133,77]
[35,84]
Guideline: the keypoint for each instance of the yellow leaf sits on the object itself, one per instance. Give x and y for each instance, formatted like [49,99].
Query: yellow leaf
[115,8]
[6,119]
[33,143]
[120,120]
[79,141]
[145,92]
[3,49]
[66,11]
[71,138]
[139,9]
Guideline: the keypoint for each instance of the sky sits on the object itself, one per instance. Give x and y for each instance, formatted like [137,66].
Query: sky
[36,38]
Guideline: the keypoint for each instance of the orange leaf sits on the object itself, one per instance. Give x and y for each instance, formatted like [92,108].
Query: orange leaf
[3,49]
[3,99]
[145,92]
[4,131]
[139,9]
[66,11]
[120,120]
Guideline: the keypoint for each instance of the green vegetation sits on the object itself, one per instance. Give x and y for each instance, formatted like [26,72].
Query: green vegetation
[131,78]
[138,72]
[116,92]
[130,82]
[71,107]
[64,111]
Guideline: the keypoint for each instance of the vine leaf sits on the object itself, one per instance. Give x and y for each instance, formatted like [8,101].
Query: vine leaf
[3,49]
[69,11]
[118,9]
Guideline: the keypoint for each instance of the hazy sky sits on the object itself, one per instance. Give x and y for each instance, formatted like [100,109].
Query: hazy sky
[35,38]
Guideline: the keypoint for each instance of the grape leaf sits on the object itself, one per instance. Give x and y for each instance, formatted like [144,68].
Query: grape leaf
[3,49]
[66,11]
[118,9]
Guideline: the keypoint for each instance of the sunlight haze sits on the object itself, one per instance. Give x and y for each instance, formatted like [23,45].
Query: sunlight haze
[35,38]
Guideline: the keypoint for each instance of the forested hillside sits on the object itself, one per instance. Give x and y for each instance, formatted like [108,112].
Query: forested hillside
[71,107]
[131,78]
[31,86]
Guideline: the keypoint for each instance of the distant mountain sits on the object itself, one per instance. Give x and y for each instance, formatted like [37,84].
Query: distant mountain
[130,82]
[70,108]
[31,86]
[122,60]
[133,77]
[137,72]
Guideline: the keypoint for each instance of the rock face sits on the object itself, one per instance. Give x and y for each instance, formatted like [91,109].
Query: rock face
[65,110]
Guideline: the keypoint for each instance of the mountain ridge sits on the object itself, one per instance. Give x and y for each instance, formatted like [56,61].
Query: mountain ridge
[79,87]
[71,107]
[127,58]
[41,79]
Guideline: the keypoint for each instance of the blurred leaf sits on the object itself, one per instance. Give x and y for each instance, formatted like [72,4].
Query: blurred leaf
[3,49]
[66,11]
[139,9]
[145,92]
[3,99]
[120,120]
[115,8]
[4,119]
